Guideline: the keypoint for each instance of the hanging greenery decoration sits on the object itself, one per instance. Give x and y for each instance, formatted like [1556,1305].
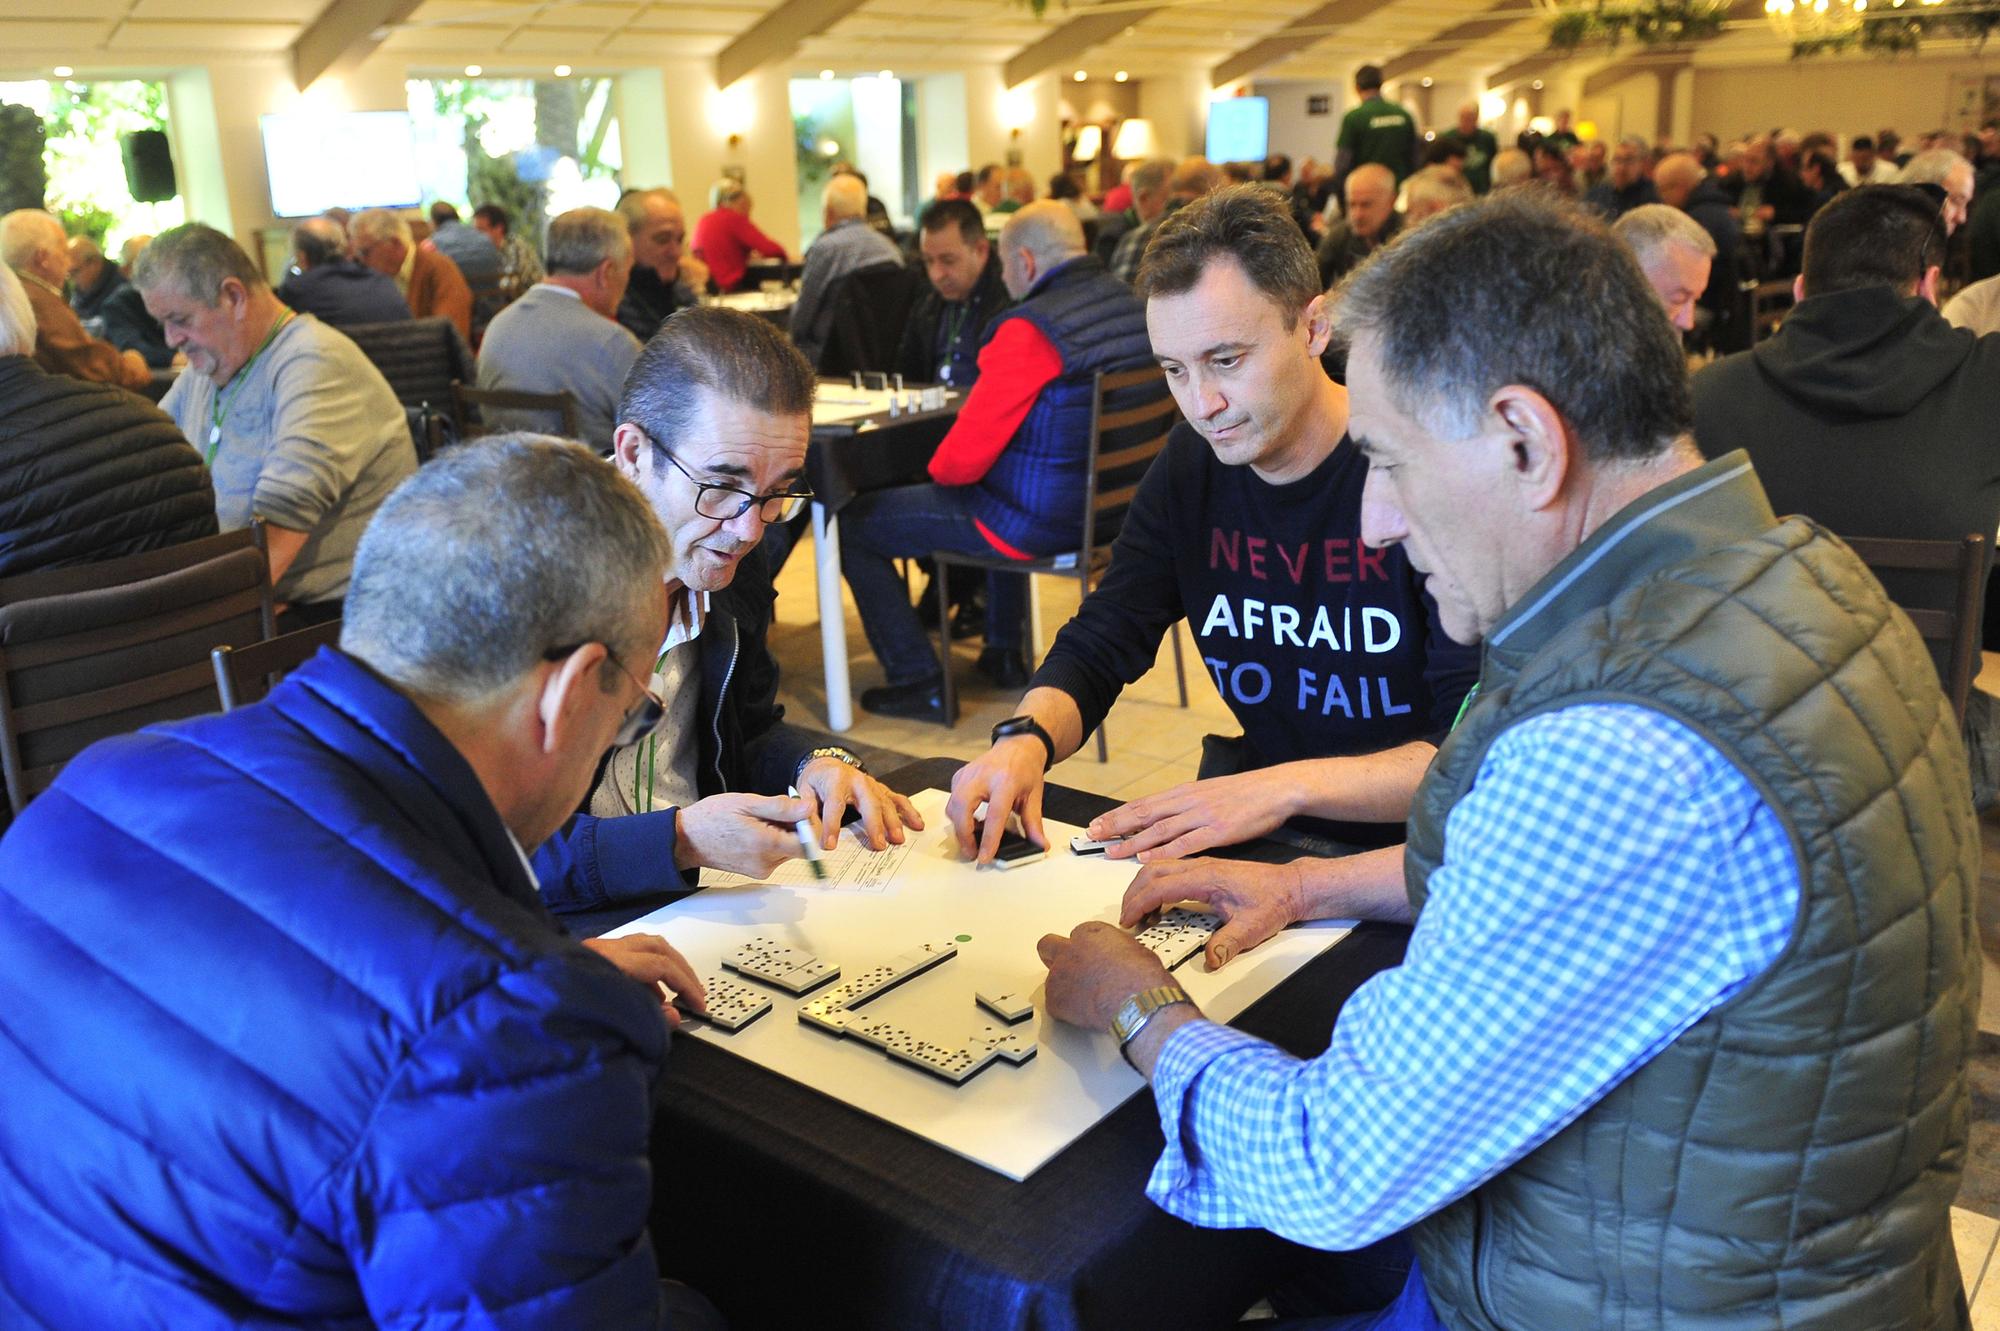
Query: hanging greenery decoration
[1901,31]
[1659,23]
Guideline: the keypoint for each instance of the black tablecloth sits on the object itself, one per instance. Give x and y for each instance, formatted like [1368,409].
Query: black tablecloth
[844,460]
[790,1209]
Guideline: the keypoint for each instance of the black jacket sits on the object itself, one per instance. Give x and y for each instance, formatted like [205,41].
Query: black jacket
[90,472]
[919,356]
[649,300]
[1869,413]
[121,317]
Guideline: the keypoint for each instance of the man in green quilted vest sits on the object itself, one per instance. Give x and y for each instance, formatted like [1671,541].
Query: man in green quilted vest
[1680,1037]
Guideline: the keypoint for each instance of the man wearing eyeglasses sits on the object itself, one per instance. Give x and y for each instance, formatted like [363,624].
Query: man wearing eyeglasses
[713,429]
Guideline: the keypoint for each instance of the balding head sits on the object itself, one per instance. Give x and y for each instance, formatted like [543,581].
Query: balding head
[1675,178]
[1036,241]
[846,197]
[1371,198]
[317,241]
[32,242]
[1194,177]
[86,262]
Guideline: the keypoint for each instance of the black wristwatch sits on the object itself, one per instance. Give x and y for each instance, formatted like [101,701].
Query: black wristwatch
[1026,725]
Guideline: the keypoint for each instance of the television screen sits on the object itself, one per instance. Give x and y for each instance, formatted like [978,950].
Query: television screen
[1239,129]
[340,159]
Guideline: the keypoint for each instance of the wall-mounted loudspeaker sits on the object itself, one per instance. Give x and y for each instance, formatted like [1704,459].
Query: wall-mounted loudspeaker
[149,166]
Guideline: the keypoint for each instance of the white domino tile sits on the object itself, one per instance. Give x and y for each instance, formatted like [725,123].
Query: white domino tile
[834,1012]
[1178,935]
[730,1005]
[787,968]
[1011,1006]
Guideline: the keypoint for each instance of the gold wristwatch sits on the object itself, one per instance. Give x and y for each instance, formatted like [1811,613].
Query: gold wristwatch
[1137,1010]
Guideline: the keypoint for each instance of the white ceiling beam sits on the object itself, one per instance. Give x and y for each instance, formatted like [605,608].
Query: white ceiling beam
[1291,39]
[344,35]
[777,36]
[1064,45]
[1503,14]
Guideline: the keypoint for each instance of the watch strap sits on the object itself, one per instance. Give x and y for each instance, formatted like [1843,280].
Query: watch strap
[1026,725]
[1140,1008]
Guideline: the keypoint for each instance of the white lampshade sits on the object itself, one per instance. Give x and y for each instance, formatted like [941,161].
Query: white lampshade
[1089,143]
[1133,140]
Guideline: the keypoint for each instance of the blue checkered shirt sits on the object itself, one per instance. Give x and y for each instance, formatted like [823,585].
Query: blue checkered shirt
[1609,878]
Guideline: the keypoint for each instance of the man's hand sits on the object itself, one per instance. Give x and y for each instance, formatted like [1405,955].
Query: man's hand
[1255,901]
[1093,972]
[1007,778]
[649,959]
[829,786]
[1197,815]
[746,834]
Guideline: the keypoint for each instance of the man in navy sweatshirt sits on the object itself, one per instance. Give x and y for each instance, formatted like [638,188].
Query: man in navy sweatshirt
[1328,651]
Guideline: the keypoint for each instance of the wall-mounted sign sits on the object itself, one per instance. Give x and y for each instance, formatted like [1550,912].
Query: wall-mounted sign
[1319,106]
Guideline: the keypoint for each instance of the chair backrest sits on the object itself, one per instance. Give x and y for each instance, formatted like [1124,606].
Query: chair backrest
[421,358]
[103,649]
[551,410]
[245,674]
[870,308]
[1130,418]
[1770,302]
[1949,620]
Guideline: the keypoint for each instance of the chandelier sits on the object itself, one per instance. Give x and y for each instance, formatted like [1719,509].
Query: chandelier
[1807,20]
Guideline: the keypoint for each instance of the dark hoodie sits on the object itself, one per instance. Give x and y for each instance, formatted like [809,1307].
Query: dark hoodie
[1869,413]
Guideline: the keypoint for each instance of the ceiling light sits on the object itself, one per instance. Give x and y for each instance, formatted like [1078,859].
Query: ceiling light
[474,71]
[826,74]
[1536,85]
[1080,76]
[1120,76]
[884,74]
[63,71]
[562,71]
[1426,80]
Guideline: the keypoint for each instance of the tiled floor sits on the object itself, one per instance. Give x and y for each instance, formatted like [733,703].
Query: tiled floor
[1154,744]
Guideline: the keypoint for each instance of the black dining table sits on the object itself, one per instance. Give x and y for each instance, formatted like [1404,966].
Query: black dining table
[791,1209]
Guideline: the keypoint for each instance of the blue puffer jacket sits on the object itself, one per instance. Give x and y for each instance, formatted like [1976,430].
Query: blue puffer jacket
[287,1040]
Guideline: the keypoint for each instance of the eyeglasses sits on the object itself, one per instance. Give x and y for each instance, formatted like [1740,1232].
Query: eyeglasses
[646,714]
[725,503]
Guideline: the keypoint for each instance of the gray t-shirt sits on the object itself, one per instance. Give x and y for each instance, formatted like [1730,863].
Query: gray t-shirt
[311,439]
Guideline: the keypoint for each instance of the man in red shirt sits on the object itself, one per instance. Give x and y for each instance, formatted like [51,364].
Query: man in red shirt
[1010,476]
[725,236]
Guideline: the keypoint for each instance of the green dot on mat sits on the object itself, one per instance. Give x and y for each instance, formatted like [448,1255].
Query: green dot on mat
[965,938]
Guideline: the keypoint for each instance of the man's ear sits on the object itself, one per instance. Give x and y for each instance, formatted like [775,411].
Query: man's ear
[628,449]
[1541,441]
[1798,288]
[1318,319]
[1927,287]
[566,696]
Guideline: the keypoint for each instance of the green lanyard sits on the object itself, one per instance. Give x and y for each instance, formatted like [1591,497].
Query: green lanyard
[218,410]
[1463,707]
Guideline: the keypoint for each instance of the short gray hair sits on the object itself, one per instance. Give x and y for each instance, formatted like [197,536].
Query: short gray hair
[319,240]
[194,260]
[1931,167]
[494,554]
[1437,187]
[371,226]
[736,355]
[1522,288]
[1049,230]
[1652,226]
[17,316]
[1151,175]
[583,238]
[725,192]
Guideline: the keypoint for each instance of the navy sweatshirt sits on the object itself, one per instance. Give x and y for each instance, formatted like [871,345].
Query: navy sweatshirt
[1320,645]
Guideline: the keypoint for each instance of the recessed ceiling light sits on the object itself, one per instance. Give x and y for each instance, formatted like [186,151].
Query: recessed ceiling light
[826,73]
[1537,85]
[1120,76]
[1080,76]
[1427,81]
[885,74]
[474,71]
[562,71]
[63,71]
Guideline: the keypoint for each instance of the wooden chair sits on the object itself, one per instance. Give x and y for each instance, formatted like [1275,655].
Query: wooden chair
[470,403]
[1948,619]
[1129,422]
[103,649]
[245,674]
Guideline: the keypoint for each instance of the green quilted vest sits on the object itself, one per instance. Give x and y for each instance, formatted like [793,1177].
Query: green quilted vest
[1788,1162]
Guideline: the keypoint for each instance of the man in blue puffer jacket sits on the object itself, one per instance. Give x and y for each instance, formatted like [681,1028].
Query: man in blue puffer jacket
[287,1036]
